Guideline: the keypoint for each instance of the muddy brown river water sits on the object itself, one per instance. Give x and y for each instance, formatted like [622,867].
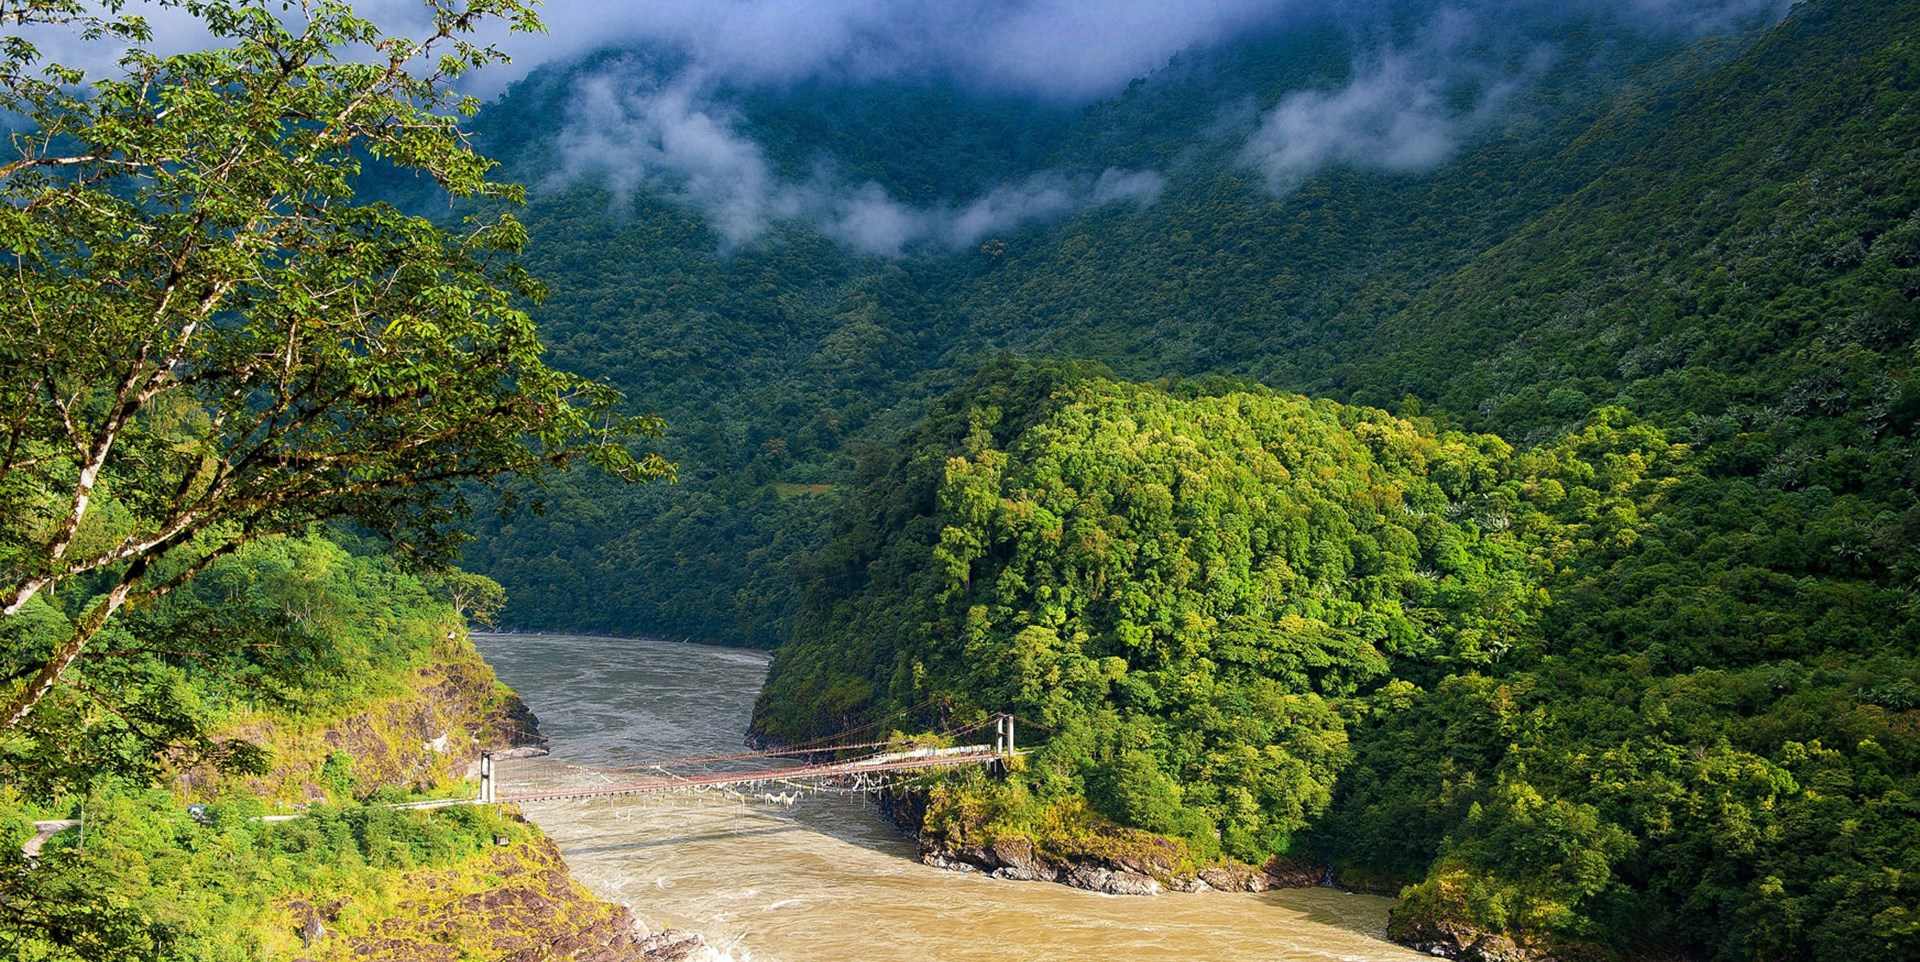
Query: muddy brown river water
[823,878]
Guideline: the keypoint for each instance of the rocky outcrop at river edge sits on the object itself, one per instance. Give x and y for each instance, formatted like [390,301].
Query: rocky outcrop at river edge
[1137,863]
[1017,859]
[430,733]
[515,904]
[1132,862]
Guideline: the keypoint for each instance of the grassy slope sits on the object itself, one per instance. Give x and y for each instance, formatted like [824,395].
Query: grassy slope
[372,692]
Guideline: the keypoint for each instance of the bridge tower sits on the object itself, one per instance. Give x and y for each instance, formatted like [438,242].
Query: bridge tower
[486,778]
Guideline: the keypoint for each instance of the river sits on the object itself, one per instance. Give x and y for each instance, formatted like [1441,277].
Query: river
[825,878]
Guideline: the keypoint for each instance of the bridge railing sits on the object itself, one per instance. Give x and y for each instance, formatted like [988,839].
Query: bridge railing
[882,762]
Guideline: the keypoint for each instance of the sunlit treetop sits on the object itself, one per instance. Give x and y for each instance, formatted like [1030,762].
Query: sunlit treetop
[210,338]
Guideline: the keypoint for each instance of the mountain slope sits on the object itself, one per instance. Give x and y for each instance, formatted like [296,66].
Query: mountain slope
[781,362]
[1264,625]
[1688,302]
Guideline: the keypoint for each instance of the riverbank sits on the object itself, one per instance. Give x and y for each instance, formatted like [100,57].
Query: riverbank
[797,877]
[1103,858]
[515,900]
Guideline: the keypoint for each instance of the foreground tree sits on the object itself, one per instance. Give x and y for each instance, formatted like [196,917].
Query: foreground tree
[209,338]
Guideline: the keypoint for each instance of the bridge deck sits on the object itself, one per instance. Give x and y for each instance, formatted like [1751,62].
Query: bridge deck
[831,770]
[881,764]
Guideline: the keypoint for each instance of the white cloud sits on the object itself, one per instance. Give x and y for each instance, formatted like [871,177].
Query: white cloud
[667,136]
[633,130]
[1404,110]
[1071,49]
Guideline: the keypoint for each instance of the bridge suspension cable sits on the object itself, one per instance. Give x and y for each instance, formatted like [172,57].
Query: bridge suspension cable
[816,746]
[865,773]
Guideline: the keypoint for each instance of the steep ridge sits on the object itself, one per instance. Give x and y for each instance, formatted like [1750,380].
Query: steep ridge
[1768,209]
[1176,585]
[1259,625]
[295,673]
[781,360]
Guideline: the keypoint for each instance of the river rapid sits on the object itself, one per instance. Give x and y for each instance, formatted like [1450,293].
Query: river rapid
[824,878]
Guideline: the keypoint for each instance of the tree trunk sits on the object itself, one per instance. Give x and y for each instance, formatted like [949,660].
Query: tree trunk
[67,653]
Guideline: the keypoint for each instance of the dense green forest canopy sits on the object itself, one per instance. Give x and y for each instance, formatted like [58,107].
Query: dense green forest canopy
[782,360]
[1183,579]
[1635,659]
[239,399]
[1571,691]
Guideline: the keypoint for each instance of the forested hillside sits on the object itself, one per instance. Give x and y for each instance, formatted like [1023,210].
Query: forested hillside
[1559,690]
[296,673]
[780,360]
[1177,583]
[1633,664]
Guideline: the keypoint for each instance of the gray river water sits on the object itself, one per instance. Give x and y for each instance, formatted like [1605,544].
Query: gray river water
[825,878]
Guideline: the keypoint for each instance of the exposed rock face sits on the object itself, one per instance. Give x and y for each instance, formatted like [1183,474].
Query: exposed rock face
[308,918]
[1131,862]
[1449,941]
[938,860]
[452,710]
[669,945]
[1017,860]
[1283,873]
[1434,918]
[437,735]
[512,730]
[1094,878]
[515,904]
[1129,873]
[1235,878]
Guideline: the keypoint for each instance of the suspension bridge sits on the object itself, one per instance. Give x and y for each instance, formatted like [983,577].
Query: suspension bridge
[882,761]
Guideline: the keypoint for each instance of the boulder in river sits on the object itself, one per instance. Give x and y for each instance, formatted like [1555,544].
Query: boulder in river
[1017,860]
[672,945]
[1235,878]
[1096,879]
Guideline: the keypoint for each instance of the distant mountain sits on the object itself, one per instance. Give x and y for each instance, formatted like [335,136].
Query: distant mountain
[1683,727]
[711,249]
[1643,682]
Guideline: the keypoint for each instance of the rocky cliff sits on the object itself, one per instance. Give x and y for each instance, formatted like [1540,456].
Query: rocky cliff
[426,737]
[515,903]
[1100,857]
